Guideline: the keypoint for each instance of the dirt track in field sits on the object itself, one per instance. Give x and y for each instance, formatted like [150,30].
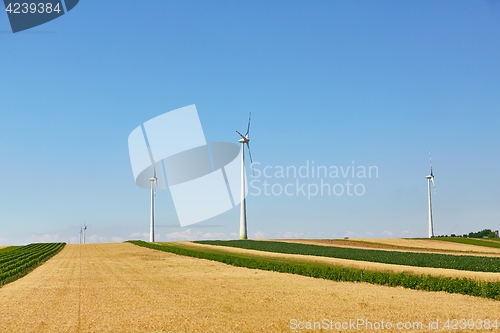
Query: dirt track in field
[126,288]
[483,276]
[421,246]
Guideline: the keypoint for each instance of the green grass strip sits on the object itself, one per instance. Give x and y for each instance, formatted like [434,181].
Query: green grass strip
[471,241]
[336,273]
[466,263]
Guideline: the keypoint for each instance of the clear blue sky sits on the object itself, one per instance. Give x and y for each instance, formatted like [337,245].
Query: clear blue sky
[379,83]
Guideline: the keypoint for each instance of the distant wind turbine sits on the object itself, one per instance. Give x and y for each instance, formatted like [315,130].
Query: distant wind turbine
[84,228]
[430,178]
[154,182]
[245,139]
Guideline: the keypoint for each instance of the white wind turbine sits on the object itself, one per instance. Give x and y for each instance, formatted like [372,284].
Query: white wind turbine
[81,234]
[84,228]
[245,139]
[154,182]
[430,178]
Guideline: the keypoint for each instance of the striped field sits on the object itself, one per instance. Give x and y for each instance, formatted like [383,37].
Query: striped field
[127,288]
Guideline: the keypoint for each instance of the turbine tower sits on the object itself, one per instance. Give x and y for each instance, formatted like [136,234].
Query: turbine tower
[245,139]
[81,234]
[154,181]
[430,178]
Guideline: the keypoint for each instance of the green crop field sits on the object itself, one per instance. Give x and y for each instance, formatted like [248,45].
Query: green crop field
[8,249]
[466,263]
[471,241]
[335,273]
[17,261]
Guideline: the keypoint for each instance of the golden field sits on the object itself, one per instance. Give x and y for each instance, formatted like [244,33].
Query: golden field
[126,288]
[433,244]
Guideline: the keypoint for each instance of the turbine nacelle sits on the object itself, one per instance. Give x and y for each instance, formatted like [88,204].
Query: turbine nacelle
[154,178]
[244,138]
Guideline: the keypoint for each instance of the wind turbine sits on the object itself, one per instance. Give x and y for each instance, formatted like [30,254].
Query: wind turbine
[430,178]
[245,139]
[84,228]
[81,233]
[154,182]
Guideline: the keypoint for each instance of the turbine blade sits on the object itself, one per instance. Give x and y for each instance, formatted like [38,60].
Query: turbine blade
[251,161]
[430,161]
[432,174]
[241,135]
[248,128]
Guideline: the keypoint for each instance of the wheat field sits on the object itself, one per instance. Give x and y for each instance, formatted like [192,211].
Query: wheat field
[433,244]
[126,288]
